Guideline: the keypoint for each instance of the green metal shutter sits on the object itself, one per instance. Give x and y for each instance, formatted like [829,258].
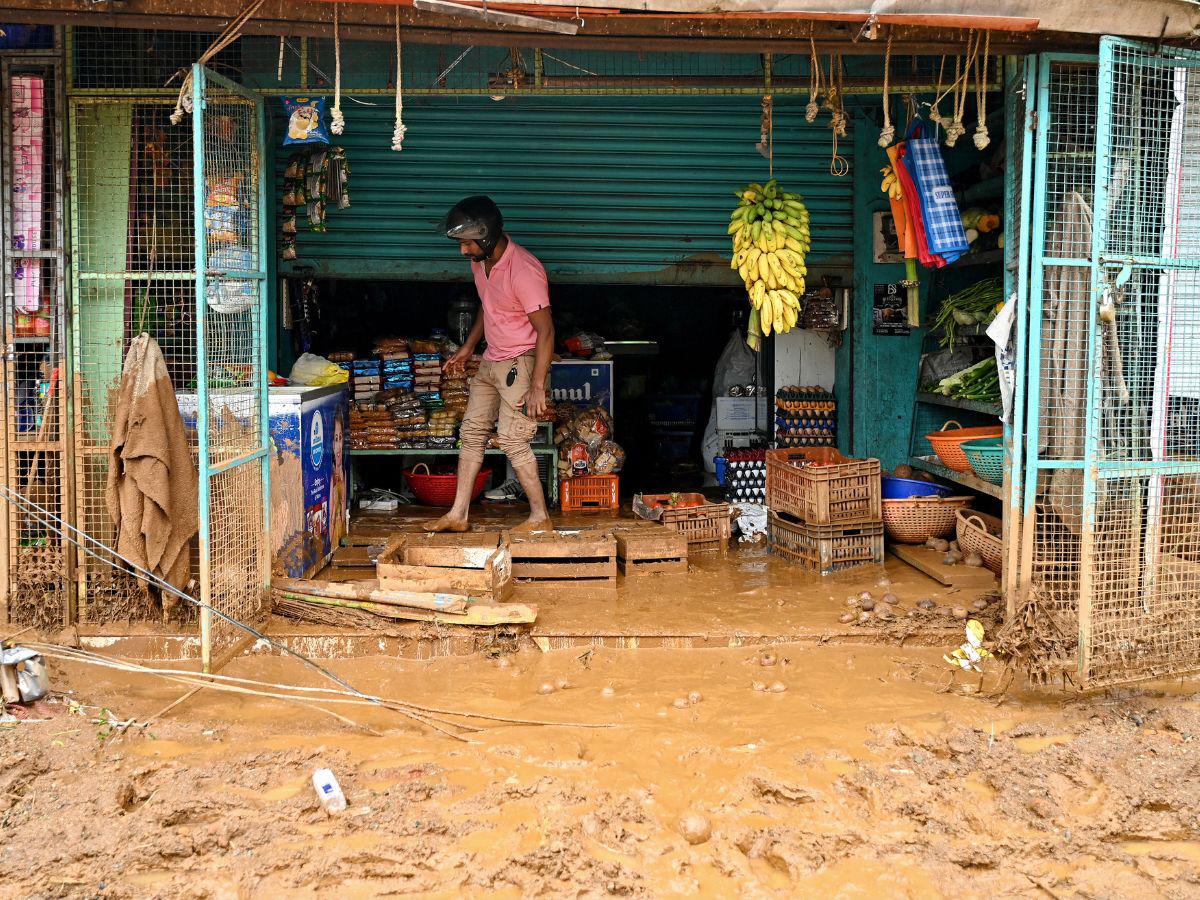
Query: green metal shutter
[620,189]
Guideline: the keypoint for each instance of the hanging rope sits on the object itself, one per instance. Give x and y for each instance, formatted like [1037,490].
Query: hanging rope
[837,115]
[183,103]
[935,113]
[768,132]
[888,133]
[814,85]
[399,130]
[337,122]
[982,139]
[956,128]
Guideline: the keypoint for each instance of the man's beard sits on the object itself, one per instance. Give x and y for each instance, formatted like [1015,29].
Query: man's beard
[479,257]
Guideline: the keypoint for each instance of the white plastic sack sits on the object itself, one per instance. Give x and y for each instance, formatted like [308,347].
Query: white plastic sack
[735,365]
[751,522]
[311,370]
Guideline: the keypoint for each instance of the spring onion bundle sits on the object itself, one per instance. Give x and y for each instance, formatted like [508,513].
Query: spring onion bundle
[980,382]
[975,305]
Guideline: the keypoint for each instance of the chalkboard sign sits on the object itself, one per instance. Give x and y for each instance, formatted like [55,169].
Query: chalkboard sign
[889,313]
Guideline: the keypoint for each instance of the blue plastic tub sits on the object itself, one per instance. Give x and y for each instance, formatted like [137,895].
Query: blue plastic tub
[902,488]
[721,463]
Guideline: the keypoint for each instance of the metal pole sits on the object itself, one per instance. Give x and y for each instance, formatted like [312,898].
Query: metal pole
[202,418]
[262,219]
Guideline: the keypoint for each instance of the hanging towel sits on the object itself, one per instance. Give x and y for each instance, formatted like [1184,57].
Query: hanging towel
[912,203]
[153,485]
[943,222]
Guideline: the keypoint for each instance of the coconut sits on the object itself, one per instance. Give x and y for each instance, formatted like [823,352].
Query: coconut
[926,603]
[891,599]
[865,595]
[883,612]
[864,617]
[954,548]
[941,546]
[777,687]
[973,559]
[847,617]
[694,697]
[680,703]
[695,828]
[757,686]
[883,582]
[979,606]
[866,605]
[546,688]
[959,612]
[852,601]
[767,659]
[952,558]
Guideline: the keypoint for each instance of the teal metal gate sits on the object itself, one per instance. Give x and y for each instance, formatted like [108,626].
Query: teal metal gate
[1110,507]
[230,205]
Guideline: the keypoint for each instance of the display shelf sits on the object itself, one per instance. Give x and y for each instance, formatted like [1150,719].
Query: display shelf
[32,339]
[550,452]
[966,479]
[992,409]
[979,258]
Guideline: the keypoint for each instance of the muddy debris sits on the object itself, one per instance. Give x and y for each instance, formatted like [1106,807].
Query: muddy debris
[777,687]
[680,703]
[758,686]
[546,687]
[694,697]
[695,828]
[847,617]
[608,691]
[767,658]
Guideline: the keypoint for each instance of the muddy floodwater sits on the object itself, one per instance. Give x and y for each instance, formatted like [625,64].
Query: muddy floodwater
[856,776]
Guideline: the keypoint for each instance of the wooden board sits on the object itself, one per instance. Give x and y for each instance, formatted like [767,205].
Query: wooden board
[651,551]
[562,544]
[565,557]
[355,557]
[477,614]
[371,591]
[930,562]
[476,564]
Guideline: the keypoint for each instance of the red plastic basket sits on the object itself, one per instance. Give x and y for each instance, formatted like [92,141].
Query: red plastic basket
[438,489]
[590,493]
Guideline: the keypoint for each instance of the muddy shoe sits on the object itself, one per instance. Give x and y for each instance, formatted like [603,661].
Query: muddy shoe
[529,527]
[445,523]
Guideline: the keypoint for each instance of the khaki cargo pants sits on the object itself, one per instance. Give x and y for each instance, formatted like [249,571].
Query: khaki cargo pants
[494,403]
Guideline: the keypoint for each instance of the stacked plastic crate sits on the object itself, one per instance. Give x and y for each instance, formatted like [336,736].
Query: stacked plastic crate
[826,511]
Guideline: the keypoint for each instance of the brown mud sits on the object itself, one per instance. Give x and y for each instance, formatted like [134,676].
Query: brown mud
[862,777]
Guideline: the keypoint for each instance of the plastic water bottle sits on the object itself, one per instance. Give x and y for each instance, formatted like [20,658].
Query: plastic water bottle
[329,792]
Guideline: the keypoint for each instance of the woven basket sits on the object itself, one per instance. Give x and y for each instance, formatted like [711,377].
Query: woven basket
[986,457]
[916,520]
[983,534]
[947,444]
[437,489]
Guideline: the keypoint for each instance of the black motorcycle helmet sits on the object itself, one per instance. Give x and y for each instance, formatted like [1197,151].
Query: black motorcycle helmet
[475,219]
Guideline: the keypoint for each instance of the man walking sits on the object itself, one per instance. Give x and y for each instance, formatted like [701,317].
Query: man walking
[509,391]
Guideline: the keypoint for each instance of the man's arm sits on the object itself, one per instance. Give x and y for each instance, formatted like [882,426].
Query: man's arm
[458,360]
[543,324]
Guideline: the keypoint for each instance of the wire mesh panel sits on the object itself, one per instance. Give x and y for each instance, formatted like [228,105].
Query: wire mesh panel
[1058,364]
[1140,603]
[37,561]
[230,304]
[134,271]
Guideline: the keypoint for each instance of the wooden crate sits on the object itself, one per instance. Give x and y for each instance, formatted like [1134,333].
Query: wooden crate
[565,558]
[819,486]
[651,551]
[477,563]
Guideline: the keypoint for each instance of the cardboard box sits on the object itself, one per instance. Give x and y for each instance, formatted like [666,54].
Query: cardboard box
[739,414]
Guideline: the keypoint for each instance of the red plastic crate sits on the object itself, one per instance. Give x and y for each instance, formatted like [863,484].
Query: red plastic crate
[819,486]
[590,493]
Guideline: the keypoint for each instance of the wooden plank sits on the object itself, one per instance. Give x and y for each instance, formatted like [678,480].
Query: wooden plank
[490,579]
[370,590]
[478,614]
[930,562]
[642,544]
[566,570]
[354,557]
[562,545]
[635,567]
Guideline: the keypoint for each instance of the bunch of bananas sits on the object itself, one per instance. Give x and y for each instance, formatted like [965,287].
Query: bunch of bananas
[770,237]
[891,184]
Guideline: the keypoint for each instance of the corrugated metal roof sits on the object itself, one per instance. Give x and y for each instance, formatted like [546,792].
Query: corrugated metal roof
[626,188]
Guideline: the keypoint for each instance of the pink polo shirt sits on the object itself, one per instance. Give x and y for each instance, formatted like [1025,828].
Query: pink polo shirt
[515,287]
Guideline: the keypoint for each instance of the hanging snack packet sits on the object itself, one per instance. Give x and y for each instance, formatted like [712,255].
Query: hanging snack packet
[306,121]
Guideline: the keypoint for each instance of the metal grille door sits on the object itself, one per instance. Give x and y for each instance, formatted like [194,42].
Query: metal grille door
[231,394]
[1140,594]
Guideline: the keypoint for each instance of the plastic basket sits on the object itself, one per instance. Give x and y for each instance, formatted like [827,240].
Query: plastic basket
[438,489]
[983,534]
[947,444]
[705,525]
[827,548]
[819,486]
[590,493]
[916,520]
[895,488]
[986,457]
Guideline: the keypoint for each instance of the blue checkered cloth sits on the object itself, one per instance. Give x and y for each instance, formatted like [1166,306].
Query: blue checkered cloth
[943,223]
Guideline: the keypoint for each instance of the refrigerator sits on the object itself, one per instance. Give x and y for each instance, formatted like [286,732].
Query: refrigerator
[310,503]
